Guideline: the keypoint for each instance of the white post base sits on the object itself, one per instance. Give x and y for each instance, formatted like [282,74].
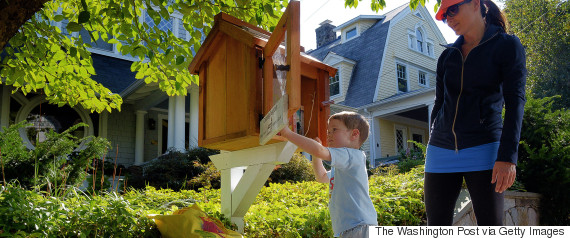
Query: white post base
[240,188]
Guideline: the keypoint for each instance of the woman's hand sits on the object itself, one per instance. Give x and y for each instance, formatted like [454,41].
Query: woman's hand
[504,174]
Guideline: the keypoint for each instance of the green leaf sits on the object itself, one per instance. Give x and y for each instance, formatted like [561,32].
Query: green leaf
[84,5]
[58,18]
[73,27]
[73,51]
[83,17]
[179,60]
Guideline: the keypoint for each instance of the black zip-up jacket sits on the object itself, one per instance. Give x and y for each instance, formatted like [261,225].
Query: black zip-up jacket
[470,95]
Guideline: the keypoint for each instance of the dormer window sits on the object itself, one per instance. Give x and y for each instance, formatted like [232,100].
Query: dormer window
[335,84]
[351,33]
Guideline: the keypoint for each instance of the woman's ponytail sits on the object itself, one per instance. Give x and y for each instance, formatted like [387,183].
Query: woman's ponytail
[493,14]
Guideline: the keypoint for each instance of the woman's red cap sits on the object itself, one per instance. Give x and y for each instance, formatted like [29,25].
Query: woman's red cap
[443,8]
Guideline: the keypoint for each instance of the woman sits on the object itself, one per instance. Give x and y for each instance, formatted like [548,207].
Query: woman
[478,74]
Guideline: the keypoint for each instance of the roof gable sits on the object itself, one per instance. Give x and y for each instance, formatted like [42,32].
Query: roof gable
[367,51]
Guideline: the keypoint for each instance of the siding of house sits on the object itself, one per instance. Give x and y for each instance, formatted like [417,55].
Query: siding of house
[388,135]
[365,24]
[398,51]
[121,133]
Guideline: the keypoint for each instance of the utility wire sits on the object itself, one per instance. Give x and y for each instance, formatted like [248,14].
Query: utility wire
[318,9]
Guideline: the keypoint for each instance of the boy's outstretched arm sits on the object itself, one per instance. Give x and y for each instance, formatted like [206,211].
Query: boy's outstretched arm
[318,168]
[308,145]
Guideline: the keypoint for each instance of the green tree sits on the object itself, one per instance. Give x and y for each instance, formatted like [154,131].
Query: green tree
[37,56]
[543,27]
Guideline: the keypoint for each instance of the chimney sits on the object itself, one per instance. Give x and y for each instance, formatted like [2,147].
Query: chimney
[325,33]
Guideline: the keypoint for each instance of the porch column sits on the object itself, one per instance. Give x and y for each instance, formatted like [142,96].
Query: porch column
[103,119]
[194,116]
[171,108]
[139,138]
[179,122]
[5,112]
[372,140]
[430,108]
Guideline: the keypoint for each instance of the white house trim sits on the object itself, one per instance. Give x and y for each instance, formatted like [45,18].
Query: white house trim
[194,115]
[27,108]
[356,19]
[139,137]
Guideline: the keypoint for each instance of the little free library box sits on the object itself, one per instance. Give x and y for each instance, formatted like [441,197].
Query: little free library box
[240,82]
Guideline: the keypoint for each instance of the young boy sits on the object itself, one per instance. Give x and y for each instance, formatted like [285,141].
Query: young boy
[350,206]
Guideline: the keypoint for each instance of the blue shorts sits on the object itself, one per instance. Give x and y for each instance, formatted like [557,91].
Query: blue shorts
[477,158]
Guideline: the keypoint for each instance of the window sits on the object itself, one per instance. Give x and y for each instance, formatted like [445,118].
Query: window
[411,41]
[402,78]
[429,49]
[181,30]
[99,44]
[422,79]
[335,84]
[163,25]
[417,138]
[420,42]
[401,141]
[351,33]
[46,117]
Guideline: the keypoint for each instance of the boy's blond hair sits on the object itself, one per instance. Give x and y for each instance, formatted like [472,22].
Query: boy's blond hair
[353,120]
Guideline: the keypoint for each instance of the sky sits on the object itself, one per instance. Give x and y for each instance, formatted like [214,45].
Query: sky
[313,12]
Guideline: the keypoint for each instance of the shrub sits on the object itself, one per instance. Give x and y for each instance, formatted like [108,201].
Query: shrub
[25,213]
[280,210]
[210,178]
[173,169]
[544,158]
[298,169]
[54,164]
[412,158]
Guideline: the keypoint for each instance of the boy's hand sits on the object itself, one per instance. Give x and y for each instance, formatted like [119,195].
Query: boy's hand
[310,146]
[285,132]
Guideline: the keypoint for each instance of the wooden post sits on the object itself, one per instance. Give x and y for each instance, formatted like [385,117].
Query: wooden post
[239,189]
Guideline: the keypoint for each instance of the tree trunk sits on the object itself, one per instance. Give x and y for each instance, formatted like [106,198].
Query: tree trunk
[13,14]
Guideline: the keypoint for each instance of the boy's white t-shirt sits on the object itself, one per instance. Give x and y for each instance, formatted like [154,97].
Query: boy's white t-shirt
[350,204]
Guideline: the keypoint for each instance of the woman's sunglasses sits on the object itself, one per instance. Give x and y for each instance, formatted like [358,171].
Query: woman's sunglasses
[453,10]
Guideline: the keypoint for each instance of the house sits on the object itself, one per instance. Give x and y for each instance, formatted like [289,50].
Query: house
[149,121]
[386,71]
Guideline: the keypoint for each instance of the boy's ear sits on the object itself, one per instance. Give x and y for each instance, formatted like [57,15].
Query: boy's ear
[355,134]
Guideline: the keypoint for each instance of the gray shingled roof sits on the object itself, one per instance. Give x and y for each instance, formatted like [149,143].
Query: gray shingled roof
[367,50]
[115,74]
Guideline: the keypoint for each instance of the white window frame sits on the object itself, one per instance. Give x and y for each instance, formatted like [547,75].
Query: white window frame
[411,40]
[338,72]
[355,33]
[426,42]
[426,78]
[430,50]
[420,42]
[407,78]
